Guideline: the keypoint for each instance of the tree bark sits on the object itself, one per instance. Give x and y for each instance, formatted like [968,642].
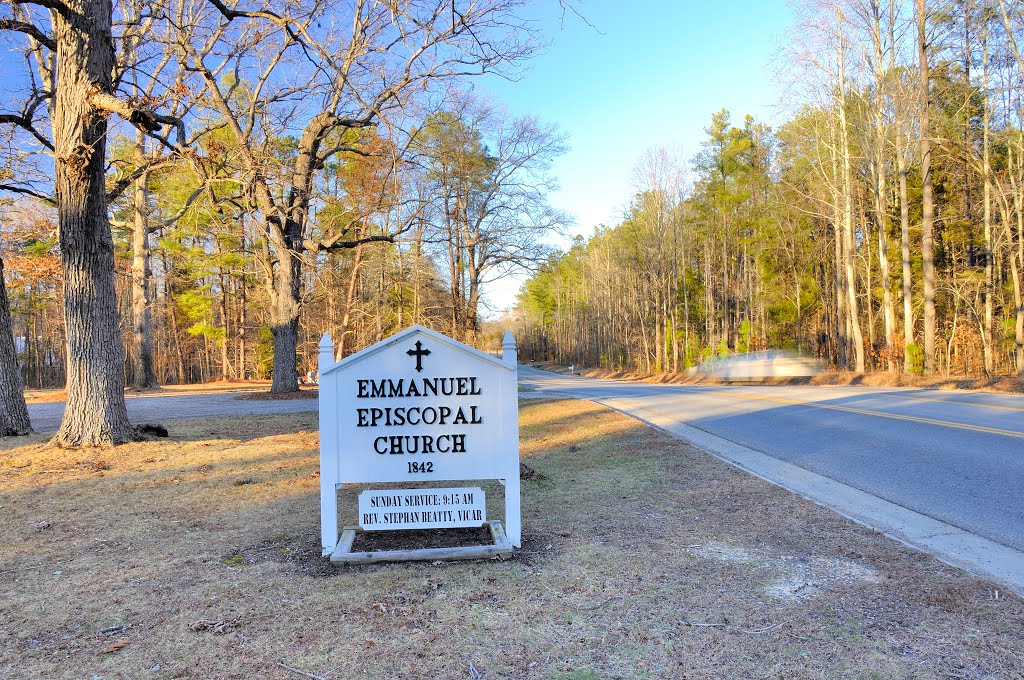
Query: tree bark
[95,414]
[839,279]
[848,240]
[908,289]
[986,170]
[927,202]
[143,374]
[284,321]
[350,301]
[838,282]
[243,373]
[226,370]
[14,419]
[901,171]
[1017,267]
[881,185]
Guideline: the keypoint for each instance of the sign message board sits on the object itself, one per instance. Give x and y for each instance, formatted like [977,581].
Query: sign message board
[462,506]
[418,407]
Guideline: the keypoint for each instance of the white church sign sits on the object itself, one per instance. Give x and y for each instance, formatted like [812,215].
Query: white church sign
[419,407]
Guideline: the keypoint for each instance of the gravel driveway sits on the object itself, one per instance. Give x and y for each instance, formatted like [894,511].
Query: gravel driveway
[157,408]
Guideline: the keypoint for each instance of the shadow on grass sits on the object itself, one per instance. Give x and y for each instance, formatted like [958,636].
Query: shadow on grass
[632,541]
[243,428]
[257,473]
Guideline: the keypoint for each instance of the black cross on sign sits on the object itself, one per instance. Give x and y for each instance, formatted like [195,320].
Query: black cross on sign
[419,353]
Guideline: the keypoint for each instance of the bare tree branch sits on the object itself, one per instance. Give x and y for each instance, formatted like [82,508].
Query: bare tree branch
[28,29]
[69,15]
[15,189]
[335,242]
[145,119]
[25,123]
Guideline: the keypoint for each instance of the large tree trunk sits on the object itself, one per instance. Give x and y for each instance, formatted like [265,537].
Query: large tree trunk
[726,335]
[839,283]
[13,412]
[890,311]
[473,275]
[143,374]
[1018,300]
[226,370]
[848,240]
[243,373]
[881,185]
[472,308]
[95,414]
[350,301]
[986,171]
[908,289]
[285,323]
[927,203]
[901,170]
[839,279]
[1017,270]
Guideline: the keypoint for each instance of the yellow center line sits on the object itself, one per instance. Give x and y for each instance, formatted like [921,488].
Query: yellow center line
[955,402]
[880,414]
[868,393]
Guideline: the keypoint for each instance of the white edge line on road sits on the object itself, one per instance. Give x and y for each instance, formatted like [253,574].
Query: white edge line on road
[950,544]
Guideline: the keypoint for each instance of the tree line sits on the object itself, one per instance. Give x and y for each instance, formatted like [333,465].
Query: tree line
[881,227]
[197,189]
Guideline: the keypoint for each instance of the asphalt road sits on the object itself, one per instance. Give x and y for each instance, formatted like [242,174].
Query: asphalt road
[957,457]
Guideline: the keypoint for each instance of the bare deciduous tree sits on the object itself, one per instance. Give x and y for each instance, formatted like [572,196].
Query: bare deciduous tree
[289,85]
[487,177]
[72,91]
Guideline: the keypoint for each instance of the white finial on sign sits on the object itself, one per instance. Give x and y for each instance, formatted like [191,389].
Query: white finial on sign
[326,357]
[508,346]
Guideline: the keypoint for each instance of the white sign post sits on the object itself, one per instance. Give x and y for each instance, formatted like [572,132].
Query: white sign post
[419,407]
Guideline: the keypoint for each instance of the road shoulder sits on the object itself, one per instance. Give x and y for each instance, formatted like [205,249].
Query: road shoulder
[952,545]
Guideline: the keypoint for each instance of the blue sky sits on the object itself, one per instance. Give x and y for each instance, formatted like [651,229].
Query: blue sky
[643,74]
[647,74]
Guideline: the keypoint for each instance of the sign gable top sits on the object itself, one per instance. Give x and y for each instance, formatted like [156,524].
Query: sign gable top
[410,332]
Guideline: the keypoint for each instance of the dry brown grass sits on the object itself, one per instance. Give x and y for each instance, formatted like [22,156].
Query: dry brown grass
[642,558]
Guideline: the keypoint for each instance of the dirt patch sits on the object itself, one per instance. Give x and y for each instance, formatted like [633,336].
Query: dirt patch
[791,578]
[413,540]
[199,556]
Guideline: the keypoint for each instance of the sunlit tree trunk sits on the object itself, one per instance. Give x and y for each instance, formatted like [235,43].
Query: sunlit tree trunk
[226,370]
[143,374]
[95,414]
[13,412]
[243,372]
[350,302]
[927,201]
[986,172]
[839,278]
[881,186]
[1017,259]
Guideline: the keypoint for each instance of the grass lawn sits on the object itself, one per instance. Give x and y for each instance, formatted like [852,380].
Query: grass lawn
[199,557]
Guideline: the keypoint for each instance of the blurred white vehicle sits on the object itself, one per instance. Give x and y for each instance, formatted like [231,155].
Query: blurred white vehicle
[756,366]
